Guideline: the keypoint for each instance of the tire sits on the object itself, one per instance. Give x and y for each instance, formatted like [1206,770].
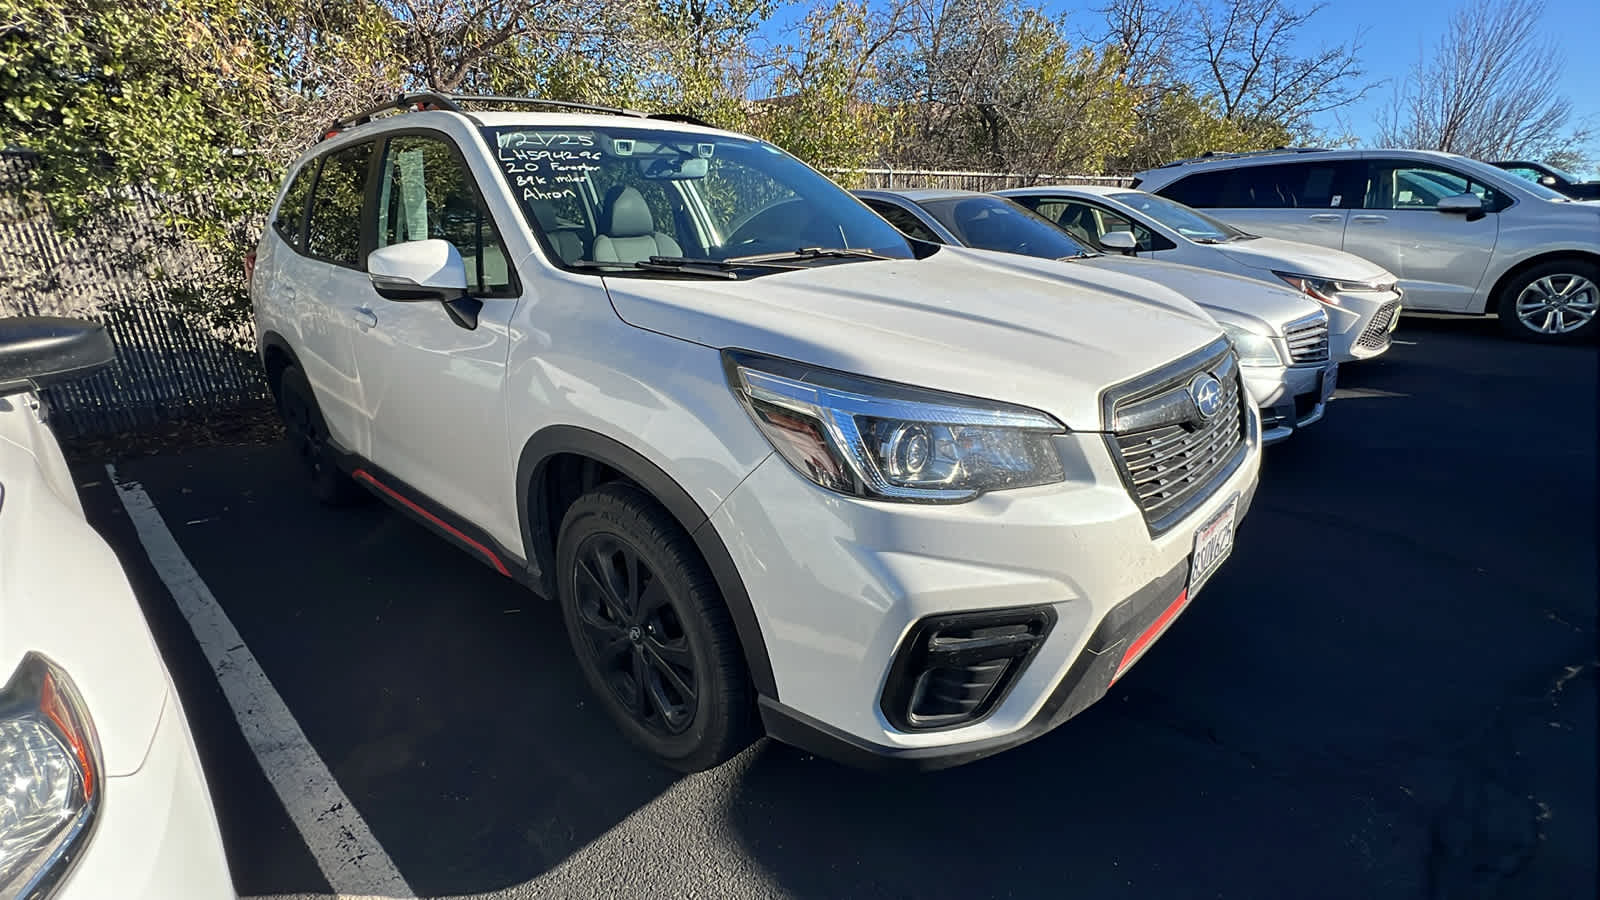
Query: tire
[650,631]
[308,436]
[1557,302]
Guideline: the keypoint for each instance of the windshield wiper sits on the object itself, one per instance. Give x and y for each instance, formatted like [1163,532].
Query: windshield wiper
[702,268]
[805,253]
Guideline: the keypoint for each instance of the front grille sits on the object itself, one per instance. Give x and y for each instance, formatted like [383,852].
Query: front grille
[1170,456]
[1308,338]
[1376,335]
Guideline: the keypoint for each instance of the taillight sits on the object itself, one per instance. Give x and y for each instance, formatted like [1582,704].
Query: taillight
[249,267]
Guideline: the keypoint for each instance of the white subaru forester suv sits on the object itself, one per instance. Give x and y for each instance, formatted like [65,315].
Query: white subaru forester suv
[780,470]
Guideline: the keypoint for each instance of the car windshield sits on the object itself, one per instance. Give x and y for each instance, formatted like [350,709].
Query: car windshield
[654,201]
[995,223]
[1187,221]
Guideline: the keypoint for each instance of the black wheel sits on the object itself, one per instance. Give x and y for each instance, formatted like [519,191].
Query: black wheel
[308,437]
[1553,302]
[650,630]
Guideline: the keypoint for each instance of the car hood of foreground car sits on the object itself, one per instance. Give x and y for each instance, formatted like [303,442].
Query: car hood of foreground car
[1304,259]
[1216,290]
[63,595]
[1046,334]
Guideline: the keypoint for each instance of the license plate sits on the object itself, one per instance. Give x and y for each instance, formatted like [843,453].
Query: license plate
[1213,541]
[1330,382]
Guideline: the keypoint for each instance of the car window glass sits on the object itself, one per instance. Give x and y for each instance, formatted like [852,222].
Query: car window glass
[1525,173]
[1299,185]
[995,223]
[1398,185]
[666,204]
[334,232]
[427,193]
[904,220]
[292,211]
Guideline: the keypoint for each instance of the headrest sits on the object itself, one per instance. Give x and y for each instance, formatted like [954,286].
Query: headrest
[626,214]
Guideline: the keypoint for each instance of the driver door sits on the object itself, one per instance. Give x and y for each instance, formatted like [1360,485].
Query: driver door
[1439,257]
[433,383]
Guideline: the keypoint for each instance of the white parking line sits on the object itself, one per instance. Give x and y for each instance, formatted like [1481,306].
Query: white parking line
[355,865]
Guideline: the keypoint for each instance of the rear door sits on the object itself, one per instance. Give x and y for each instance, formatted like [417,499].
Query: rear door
[1304,200]
[433,383]
[1439,257]
[334,285]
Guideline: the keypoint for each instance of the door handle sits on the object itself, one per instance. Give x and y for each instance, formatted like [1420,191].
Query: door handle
[1369,220]
[365,318]
[1327,218]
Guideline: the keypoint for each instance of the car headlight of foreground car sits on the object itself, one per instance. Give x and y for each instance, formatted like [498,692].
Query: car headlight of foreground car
[1253,349]
[886,441]
[50,778]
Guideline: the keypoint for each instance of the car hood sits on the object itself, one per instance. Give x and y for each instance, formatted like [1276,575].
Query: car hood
[1046,334]
[1216,290]
[63,595]
[1304,259]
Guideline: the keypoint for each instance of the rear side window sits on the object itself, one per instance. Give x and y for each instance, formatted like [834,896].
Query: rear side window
[902,219]
[1301,185]
[426,192]
[291,215]
[334,231]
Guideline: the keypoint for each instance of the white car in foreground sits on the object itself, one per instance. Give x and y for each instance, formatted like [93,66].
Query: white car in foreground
[1361,298]
[1281,337]
[903,503]
[101,793]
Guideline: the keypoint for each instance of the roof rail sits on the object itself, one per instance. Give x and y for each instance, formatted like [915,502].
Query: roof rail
[1243,154]
[433,100]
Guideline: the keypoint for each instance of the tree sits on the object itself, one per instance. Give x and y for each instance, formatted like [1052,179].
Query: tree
[1487,89]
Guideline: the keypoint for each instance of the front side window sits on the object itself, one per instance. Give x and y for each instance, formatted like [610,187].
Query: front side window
[617,197]
[334,230]
[1400,185]
[291,216]
[904,219]
[1089,222]
[995,223]
[1525,173]
[426,192]
[1191,223]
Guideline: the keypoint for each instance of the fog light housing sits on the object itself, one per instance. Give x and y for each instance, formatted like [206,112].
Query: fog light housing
[954,669]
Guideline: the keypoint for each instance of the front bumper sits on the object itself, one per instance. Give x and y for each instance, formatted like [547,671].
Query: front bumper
[838,583]
[1359,327]
[156,838]
[1289,397]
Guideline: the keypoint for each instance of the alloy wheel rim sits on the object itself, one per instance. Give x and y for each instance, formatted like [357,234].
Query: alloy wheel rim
[634,636]
[1558,304]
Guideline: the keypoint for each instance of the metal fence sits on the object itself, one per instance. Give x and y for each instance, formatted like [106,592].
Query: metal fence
[169,365]
[908,179]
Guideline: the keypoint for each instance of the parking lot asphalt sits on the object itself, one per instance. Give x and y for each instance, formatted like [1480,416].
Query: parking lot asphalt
[1388,691]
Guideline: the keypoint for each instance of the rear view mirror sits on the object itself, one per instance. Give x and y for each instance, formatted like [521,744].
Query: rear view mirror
[418,271]
[38,351]
[1119,241]
[674,169]
[1461,203]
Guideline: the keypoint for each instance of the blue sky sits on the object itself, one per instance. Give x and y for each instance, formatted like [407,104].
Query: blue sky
[1396,32]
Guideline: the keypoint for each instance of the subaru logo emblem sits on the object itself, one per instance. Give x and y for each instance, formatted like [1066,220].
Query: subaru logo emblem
[1206,392]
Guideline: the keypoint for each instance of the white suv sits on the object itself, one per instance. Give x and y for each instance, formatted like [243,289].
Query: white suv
[779,469]
[1462,235]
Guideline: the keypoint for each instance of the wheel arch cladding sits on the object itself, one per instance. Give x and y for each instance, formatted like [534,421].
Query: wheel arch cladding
[542,500]
[1504,282]
[276,356]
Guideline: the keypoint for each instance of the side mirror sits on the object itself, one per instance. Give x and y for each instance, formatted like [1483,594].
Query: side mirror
[1548,181]
[418,271]
[38,351]
[1468,204]
[1119,241]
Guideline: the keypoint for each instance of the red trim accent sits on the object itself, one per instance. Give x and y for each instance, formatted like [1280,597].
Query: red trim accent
[1149,635]
[494,560]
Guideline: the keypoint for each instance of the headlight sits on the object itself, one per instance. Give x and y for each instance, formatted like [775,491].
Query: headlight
[1327,290]
[1253,349]
[50,778]
[886,441]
